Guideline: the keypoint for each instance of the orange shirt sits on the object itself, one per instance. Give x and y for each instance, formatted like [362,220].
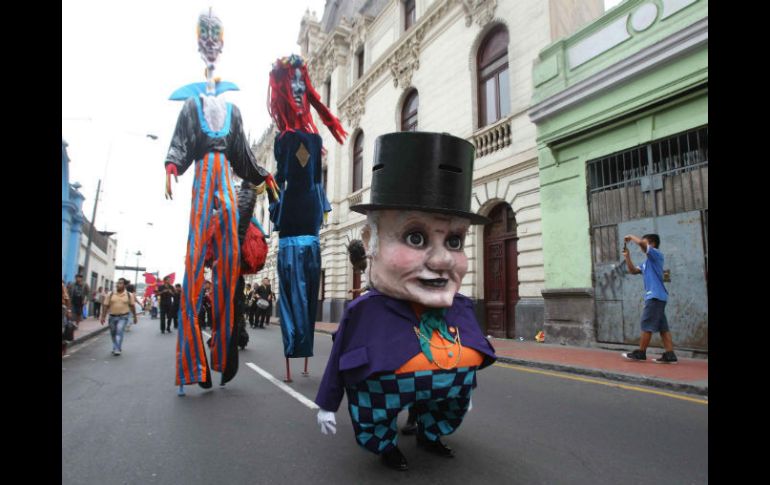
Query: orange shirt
[467,356]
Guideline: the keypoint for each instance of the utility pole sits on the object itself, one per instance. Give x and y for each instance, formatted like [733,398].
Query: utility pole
[87,276]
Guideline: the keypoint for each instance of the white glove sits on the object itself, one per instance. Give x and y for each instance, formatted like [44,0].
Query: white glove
[327,422]
[470,404]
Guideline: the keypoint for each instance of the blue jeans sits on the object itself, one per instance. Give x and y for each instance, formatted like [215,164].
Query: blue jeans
[117,327]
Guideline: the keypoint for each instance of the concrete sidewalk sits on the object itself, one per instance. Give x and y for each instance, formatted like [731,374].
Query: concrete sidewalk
[90,327]
[689,375]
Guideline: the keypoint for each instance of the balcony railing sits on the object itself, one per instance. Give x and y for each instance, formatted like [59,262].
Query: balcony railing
[494,137]
[355,198]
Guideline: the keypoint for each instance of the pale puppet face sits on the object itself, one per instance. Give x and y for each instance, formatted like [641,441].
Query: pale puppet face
[210,37]
[418,256]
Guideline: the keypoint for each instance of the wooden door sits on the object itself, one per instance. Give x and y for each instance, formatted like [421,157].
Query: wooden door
[501,281]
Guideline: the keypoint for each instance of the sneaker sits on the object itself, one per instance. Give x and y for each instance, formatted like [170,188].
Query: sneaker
[117,352]
[666,358]
[637,354]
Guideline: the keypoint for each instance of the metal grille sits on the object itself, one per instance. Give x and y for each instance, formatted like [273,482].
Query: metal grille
[676,154]
[667,176]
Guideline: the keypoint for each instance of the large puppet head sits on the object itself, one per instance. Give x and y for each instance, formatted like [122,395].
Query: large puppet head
[210,37]
[290,95]
[417,255]
[419,216]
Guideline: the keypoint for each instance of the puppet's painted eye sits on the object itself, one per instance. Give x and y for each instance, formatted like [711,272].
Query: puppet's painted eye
[454,242]
[415,239]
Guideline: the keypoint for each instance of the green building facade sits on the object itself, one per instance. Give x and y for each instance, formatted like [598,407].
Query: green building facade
[621,109]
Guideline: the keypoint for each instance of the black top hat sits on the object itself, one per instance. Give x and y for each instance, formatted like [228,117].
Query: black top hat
[431,172]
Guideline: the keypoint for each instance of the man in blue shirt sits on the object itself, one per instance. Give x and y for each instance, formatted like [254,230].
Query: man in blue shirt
[655,298]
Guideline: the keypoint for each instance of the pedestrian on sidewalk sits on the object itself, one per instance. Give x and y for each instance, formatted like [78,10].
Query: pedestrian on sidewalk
[264,303]
[118,305]
[131,289]
[204,314]
[176,297]
[166,296]
[66,331]
[655,299]
[154,307]
[96,300]
[78,293]
[251,305]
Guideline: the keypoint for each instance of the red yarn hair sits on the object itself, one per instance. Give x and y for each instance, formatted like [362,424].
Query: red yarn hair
[284,110]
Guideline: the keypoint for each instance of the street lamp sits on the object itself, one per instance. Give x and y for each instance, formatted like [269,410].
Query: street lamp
[136,270]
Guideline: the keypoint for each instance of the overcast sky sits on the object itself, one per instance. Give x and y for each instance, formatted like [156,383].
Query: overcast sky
[120,63]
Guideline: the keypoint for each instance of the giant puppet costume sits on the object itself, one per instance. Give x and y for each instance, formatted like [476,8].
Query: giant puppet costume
[412,341]
[209,133]
[303,205]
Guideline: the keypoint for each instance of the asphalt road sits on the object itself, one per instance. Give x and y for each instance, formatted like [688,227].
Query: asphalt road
[122,423]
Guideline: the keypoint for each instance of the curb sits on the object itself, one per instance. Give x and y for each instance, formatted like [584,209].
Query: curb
[88,336]
[613,376]
[603,374]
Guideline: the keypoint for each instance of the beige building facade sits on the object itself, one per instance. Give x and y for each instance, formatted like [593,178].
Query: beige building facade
[461,67]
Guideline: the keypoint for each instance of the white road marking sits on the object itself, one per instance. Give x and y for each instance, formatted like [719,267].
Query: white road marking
[299,397]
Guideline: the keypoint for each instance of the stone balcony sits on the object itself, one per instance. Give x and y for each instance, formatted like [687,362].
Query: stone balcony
[492,138]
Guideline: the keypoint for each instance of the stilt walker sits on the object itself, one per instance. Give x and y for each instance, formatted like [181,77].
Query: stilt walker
[209,132]
[303,204]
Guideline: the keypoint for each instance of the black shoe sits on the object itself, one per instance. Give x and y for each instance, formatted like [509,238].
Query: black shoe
[637,354]
[436,447]
[395,459]
[666,358]
[410,428]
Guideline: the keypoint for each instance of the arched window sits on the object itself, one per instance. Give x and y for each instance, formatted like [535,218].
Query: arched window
[358,161]
[360,63]
[493,77]
[410,14]
[409,111]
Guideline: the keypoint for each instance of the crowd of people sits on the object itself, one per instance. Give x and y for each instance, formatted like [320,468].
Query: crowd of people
[114,307]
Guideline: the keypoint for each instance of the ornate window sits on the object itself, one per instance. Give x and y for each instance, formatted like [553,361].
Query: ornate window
[410,14]
[358,161]
[360,63]
[493,77]
[409,111]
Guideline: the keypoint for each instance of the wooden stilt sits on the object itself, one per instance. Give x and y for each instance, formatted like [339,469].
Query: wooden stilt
[288,372]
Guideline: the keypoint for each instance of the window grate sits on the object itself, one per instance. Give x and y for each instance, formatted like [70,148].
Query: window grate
[670,156]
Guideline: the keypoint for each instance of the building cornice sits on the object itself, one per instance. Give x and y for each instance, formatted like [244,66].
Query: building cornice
[634,66]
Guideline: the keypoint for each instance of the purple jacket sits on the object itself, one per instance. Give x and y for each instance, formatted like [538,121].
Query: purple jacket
[376,334]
